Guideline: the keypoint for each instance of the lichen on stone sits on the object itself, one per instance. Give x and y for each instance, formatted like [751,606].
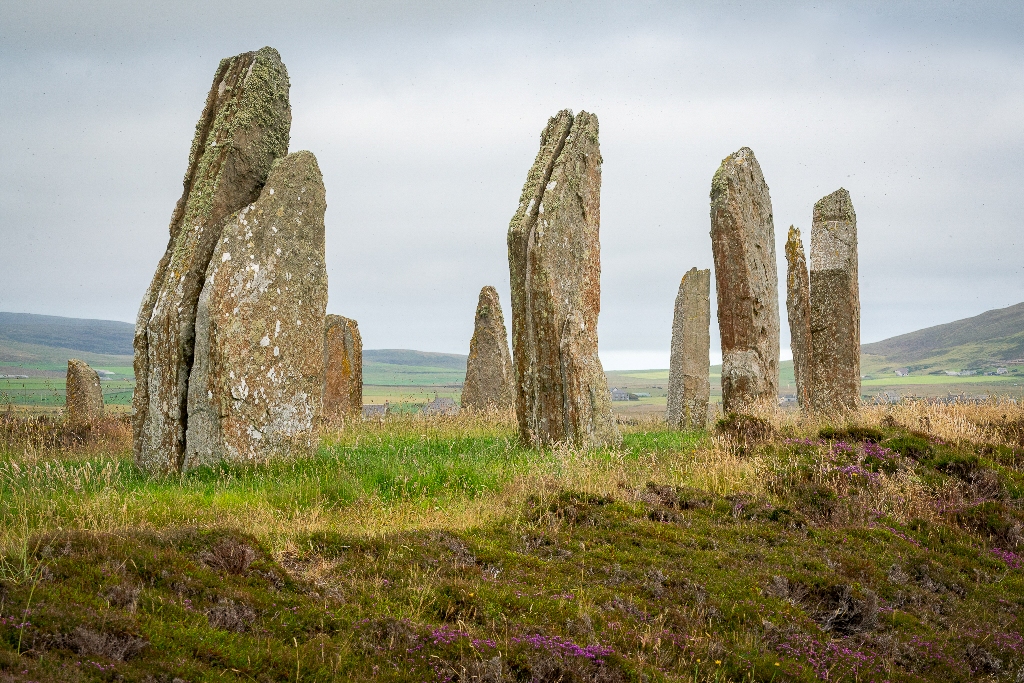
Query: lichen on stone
[554,263]
[244,127]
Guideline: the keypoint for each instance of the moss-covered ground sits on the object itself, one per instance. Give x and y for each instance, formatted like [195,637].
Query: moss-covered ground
[882,547]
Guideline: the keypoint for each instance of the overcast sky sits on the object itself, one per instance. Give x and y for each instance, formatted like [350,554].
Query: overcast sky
[426,117]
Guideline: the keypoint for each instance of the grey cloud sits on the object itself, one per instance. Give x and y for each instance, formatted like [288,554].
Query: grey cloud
[425,119]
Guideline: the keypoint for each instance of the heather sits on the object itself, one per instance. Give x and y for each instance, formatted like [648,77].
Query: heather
[885,545]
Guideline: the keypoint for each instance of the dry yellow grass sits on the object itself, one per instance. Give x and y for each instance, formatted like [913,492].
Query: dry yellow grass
[53,478]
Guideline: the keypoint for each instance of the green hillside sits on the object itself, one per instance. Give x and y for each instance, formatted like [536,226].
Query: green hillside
[393,374]
[39,361]
[108,337]
[408,357]
[981,343]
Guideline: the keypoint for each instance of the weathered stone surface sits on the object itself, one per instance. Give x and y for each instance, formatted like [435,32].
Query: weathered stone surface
[835,305]
[798,306]
[554,254]
[343,349]
[244,127]
[743,242]
[489,381]
[258,379]
[689,385]
[84,397]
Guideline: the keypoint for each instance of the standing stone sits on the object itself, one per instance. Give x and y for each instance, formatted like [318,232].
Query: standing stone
[554,255]
[343,349]
[798,306]
[689,368]
[743,241]
[489,366]
[257,383]
[835,305]
[244,127]
[84,397]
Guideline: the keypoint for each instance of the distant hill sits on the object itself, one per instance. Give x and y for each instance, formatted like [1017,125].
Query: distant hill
[977,343]
[107,337]
[408,357]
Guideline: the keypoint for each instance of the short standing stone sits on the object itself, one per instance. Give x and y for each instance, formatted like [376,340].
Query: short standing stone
[743,242]
[244,127]
[84,395]
[489,381]
[798,306]
[257,383]
[689,385]
[343,349]
[835,305]
[554,255]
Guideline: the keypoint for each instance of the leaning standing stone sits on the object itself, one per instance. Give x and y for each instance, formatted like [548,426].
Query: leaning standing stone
[244,127]
[84,397]
[257,384]
[743,242]
[689,386]
[798,306]
[835,305]
[554,255]
[343,349]
[489,366]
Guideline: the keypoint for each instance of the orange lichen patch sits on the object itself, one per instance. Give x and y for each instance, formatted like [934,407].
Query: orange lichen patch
[343,383]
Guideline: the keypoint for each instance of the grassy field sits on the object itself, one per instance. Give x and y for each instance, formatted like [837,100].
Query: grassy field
[886,546]
[381,374]
[655,383]
[941,385]
[48,392]
[941,379]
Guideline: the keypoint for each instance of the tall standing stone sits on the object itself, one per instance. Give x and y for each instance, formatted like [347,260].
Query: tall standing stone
[743,242]
[489,381]
[554,255]
[258,379]
[689,385]
[798,306]
[84,397]
[835,305]
[343,349]
[244,127]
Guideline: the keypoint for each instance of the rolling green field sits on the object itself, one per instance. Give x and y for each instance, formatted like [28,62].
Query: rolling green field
[408,379]
[47,392]
[382,374]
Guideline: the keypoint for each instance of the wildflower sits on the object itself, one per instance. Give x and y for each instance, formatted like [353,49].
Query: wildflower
[718,661]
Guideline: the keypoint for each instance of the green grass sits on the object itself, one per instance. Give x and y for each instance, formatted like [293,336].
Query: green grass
[42,391]
[442,550]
